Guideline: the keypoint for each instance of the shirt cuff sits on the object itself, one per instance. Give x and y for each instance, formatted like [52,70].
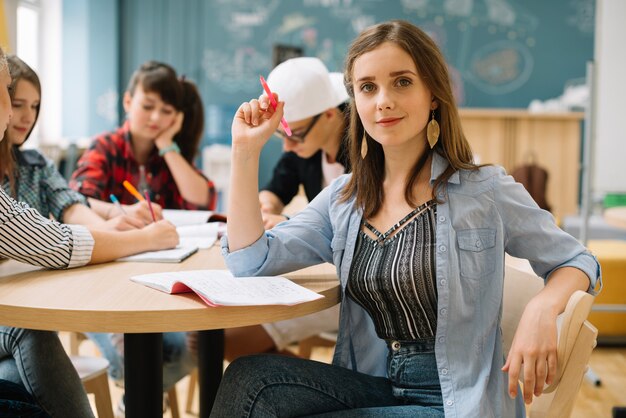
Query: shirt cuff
[83,246]
[244,262]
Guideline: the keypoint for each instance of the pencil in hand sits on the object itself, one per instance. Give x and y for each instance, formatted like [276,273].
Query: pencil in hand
[145,192]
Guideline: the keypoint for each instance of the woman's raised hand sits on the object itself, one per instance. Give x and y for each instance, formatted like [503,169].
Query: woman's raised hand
[254,123]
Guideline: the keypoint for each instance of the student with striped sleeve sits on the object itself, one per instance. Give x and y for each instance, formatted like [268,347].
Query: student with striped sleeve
[36,360]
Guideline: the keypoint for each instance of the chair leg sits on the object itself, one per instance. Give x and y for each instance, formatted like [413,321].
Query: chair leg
[173,398]
[99,386]
[191,389]
[75,339]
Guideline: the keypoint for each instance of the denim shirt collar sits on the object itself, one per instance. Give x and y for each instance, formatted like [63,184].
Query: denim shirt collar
[437,168]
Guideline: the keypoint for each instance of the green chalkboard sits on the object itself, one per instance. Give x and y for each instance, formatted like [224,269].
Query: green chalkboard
[502,53]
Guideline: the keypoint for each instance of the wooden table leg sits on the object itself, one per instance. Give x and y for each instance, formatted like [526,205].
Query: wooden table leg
[143,375]
[210,367]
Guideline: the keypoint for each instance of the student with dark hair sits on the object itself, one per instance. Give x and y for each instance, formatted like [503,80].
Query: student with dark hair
[418,233]
[154,149]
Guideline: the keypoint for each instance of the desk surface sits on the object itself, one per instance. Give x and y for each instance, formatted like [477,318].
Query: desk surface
[616,216]
[102,298]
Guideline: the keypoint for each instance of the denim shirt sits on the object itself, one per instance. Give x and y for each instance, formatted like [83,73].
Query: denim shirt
[481,215]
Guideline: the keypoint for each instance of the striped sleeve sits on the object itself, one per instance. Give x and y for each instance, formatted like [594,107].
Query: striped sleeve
[28,237]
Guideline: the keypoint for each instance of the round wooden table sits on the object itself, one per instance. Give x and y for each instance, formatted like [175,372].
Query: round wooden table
[102,298]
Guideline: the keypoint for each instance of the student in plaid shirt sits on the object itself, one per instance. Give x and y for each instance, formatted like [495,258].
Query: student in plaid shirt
[153,149]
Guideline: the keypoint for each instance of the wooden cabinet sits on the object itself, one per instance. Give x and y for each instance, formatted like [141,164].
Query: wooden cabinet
[511,137]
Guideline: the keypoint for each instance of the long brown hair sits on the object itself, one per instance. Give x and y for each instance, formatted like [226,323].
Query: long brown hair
[18,70]
[182,94]
[369,173]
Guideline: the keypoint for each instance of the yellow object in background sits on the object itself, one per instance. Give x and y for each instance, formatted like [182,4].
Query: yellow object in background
[4,29]
[611,318]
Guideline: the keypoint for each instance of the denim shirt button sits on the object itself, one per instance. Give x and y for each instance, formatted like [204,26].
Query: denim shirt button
[444,371]
[443,282]
[441,339]
[478,244]
[442,248]
[442,219]
[449,402]
[443,311]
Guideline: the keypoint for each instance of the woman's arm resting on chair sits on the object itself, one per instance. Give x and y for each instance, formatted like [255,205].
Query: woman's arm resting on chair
[534,345]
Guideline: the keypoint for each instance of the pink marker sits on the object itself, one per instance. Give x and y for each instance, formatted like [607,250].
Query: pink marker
[274,104]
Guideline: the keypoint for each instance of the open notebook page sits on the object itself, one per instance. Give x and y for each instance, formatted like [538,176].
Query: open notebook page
[219,287]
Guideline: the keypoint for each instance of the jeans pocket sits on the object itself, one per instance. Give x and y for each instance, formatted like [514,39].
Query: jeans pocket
[477,252]
[415,378]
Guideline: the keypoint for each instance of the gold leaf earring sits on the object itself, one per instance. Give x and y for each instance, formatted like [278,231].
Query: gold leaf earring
[432,131]
[364,146]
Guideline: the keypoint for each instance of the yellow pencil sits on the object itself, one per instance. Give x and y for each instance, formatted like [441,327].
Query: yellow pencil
[132,190]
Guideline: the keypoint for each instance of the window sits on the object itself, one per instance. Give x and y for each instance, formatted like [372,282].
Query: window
[27,35]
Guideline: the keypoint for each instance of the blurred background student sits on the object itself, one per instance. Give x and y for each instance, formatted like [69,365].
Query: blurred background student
[30,177]
[315,154]
[153,150]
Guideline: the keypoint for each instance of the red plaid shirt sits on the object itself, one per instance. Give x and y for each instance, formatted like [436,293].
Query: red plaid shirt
[110,160]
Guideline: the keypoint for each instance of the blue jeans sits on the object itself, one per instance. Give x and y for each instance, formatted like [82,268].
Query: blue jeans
[277,386]
[37,361]
[177,361]
[16,402]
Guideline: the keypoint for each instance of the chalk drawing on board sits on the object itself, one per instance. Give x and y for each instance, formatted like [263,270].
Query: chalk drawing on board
[500,67]
[240,18]
[294,22]
[106,105]
[584,16]
[236,71]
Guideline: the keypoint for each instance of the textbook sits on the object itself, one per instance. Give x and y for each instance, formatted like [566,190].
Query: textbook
[175,255]
[221,288]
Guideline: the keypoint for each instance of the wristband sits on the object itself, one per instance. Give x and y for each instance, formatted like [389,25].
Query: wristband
[172,147]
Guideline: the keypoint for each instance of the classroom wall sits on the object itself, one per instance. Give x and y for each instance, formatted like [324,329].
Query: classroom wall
[90,67]
[502,53]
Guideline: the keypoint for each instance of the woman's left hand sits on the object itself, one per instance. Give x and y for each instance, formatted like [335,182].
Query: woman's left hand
[533,350]
[166,137]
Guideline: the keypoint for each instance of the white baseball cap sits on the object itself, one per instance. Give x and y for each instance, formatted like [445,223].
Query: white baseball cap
[306,87]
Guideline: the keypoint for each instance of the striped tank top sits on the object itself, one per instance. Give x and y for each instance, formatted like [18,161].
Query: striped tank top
[393,276]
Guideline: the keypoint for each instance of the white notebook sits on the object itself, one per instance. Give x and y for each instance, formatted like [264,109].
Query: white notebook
[220,288]
[174,255]
[201,236]
[181,217]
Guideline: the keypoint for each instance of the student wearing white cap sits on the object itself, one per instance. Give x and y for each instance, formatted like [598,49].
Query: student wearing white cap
[314,155]
[315,104]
